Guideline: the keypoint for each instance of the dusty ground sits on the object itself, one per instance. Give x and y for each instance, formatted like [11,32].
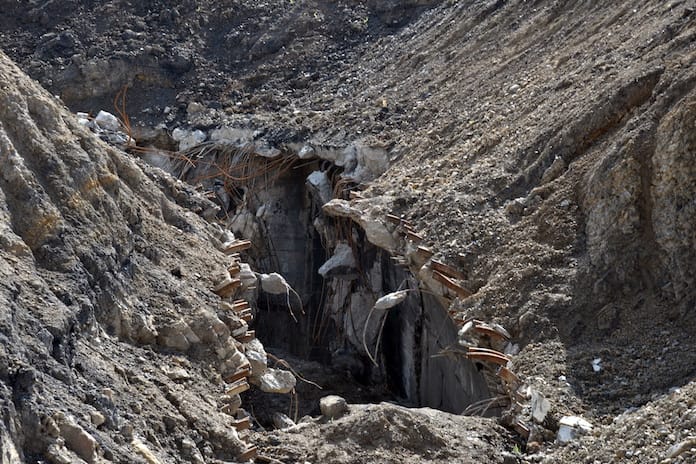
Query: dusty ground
[544,148]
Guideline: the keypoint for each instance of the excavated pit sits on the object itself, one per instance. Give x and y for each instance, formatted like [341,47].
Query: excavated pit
[276,203]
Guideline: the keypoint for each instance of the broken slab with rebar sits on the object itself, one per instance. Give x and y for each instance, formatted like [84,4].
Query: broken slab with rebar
[227,287]
[236,246]
[241,373]
[237,387]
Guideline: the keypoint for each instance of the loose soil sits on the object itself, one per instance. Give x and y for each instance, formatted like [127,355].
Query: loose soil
[543,148]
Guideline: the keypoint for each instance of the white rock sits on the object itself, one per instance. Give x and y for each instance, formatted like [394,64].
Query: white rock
[320,182]
[177,335]
[97,418]
[333,406]
[257,357]
[244,224]
[466,337]
[277,381]
[377,233]
[570,427]
[306,152]
[597,364]
[107,121]
[188,139]
[247,276]
[390,300]
[342,262]
[83,119]
[76,438]
[273,283]
[144,451]
[339,208]
[540,406]
[371,163]
[511,349]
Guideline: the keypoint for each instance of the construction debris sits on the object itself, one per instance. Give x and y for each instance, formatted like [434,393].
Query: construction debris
[570,427]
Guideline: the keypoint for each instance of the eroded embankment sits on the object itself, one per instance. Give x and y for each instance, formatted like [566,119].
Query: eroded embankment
[368,295]
[114,346]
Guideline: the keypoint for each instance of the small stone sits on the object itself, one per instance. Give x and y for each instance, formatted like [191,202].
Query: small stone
[281,421]
[597,364]
[191,452]
[277,381]
[533,447]
[509,458]
[97,418]
[342,263]
[108,393]
[540,406]
[515,207]
[77,439]
[107,121]
[188,139]
[333,406]
[176,373]
[194,107]
[306,152]
[679,448]
[556,169]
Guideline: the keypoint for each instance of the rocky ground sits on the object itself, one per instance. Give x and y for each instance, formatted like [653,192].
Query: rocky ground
[544,149]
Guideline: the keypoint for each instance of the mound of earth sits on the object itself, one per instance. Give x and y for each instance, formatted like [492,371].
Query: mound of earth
[386,433]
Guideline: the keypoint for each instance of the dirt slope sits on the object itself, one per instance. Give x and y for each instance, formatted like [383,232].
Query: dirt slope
[98,279]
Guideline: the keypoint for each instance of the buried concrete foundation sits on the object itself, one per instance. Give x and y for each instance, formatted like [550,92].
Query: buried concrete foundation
[336,275]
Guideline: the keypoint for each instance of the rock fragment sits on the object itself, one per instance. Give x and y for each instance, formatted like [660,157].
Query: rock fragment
[97,418]
[570,427]
[333,406]
[281,421]
[77,438]
[277,381]
[540,406]
[680,448]
[107,121]
[390,300]
[342,263]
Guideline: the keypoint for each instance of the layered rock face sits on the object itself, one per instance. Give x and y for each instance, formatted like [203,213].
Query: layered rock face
[110,342]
